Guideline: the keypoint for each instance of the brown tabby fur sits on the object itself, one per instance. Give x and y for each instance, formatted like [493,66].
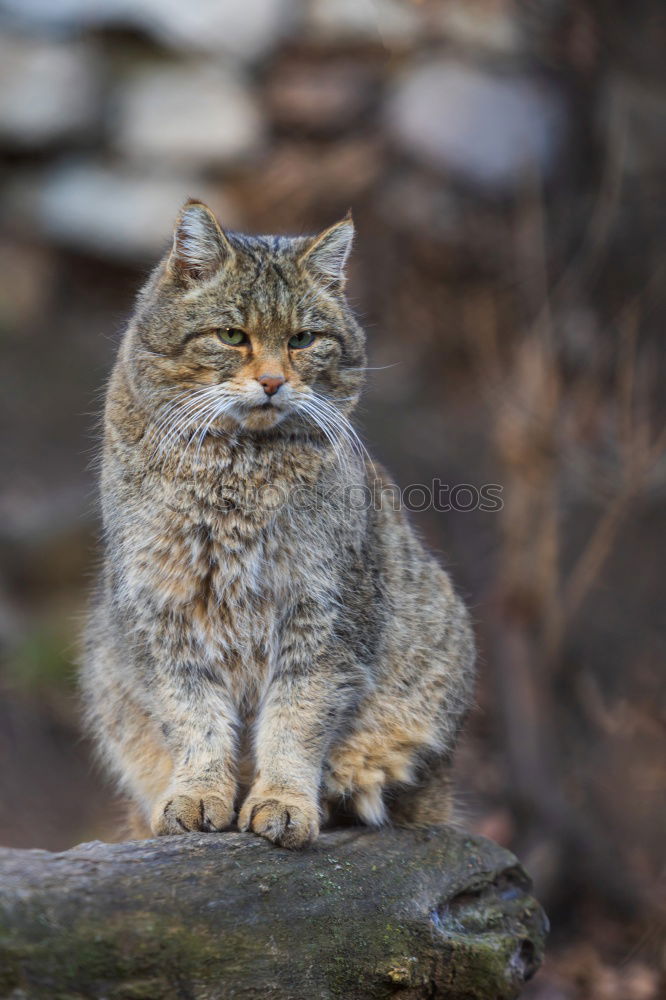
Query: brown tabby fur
[261,640]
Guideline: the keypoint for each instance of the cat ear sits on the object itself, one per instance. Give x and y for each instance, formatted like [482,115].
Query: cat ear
[327,253]
[200,248]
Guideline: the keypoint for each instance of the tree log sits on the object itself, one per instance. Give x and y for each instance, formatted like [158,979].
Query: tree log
[434,913]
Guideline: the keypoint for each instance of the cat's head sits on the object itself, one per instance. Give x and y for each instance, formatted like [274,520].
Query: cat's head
[250,333]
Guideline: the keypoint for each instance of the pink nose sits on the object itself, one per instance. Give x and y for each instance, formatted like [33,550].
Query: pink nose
[271,383]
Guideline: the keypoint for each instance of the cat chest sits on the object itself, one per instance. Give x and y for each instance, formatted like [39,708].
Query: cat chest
[224,590]
[215,570]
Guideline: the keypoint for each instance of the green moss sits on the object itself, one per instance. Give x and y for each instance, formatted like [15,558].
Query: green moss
[88,957]
[9,974]
[41,660]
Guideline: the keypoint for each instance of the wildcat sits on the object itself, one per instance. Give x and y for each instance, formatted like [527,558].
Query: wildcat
[269,639]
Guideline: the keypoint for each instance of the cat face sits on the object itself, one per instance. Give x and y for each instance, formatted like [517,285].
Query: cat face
[247,333]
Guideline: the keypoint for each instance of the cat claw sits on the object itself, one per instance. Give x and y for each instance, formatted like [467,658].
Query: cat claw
[284,823]
[187,814]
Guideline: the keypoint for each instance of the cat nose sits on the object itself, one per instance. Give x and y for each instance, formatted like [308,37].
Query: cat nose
[271,383]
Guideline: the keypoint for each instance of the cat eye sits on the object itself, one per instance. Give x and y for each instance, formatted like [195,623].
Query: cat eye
[299,340]
[232,336]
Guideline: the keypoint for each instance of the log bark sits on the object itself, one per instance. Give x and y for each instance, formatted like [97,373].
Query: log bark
[360,914]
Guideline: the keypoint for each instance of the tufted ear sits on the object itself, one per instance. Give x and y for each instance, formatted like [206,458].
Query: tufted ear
[200,248]
[326,254]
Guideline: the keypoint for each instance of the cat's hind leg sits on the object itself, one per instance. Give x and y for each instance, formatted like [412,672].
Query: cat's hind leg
[367,764]
[400,784]
[428,802]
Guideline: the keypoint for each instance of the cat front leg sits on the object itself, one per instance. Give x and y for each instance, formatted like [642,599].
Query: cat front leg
[309,696]
[199,725]
[290,742]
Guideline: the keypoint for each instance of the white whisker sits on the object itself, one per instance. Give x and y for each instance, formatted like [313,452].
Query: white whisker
[370,368]
[349,429]
[213,409]
[222,407]
[181,415]
[346,443]
[330,433]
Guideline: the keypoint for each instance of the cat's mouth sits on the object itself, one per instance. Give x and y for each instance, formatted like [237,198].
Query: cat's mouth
[254,409]
[266,407]
[263,415]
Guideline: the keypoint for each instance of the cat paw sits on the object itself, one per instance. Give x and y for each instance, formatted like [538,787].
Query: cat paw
[184,813]
[284,822]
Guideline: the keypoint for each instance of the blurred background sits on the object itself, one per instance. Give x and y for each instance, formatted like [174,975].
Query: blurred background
[505,164]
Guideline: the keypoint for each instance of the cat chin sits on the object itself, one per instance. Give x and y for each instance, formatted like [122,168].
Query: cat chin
[261,418]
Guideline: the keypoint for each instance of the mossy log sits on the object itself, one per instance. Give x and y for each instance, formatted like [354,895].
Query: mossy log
[207,916]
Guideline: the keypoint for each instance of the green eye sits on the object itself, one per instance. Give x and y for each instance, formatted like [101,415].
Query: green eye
[300,340]
[232,336]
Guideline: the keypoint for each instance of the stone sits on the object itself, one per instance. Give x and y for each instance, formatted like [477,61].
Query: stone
[186,115]
[320,96]
[58,16]
[488,25]
[244,28]
[389,22]
[491,130]
[117,213]
[307,184]
[48,91]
